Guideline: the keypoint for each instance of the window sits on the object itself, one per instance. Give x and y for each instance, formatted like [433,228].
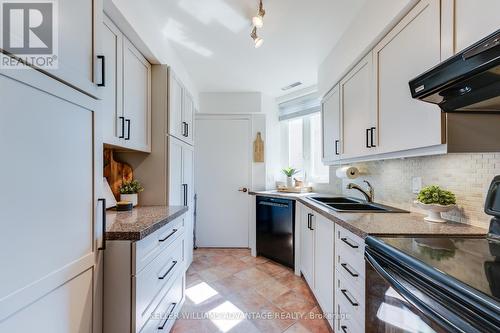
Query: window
[304,148]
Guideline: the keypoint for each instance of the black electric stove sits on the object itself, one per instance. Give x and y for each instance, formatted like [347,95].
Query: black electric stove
[436,284]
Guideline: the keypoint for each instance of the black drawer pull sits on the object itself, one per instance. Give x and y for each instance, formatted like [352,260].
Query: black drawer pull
[344,329]
[103,71]
[353,245]
[337,147]
[372,137]
[350,271]
[123,127]
[103,246]
[171,307]
[168,270]
[128,129]
[349,298]
[168,236]
[368,145]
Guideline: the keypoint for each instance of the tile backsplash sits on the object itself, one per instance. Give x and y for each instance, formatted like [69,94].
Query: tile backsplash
[466,175]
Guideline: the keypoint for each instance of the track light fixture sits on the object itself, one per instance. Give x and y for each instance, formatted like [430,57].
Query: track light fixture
[258,22]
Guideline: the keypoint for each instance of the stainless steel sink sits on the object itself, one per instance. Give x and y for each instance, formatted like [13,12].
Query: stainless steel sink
[352,205]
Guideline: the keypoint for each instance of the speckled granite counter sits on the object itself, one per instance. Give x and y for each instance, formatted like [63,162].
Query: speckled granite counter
[382,224]
[140,222]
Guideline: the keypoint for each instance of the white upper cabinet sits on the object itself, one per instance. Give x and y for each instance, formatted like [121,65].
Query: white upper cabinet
[358,113]
[136,98]
[181,110]
[112,102]
[126,93]
[410,49]
[475,20]
[330,113]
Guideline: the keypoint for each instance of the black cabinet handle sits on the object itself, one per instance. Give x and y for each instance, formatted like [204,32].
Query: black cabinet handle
[337,147]
[368,145]
[103,71]
[372,130]
[128,129]
[346,240]
[352,272]
[184,129]
[185,188]
[344,329]
[167,317]
[123,127]
[309,221]
[103,201]
[168,270]
[349,298]
[168,236]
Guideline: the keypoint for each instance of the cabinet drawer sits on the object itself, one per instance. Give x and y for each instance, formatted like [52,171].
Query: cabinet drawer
[155,278]
[163,317]
[347,324]
[349,250]
[148,248]
[351,302]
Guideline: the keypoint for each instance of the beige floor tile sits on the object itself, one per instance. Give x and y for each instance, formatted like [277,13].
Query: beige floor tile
[292,301]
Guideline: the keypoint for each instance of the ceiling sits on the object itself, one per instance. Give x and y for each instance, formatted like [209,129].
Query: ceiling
[212,37]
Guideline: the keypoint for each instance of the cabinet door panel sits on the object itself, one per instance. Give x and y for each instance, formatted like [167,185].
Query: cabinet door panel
[175,193]
[136,98]
[187,117]
[324,264]
[475,20]
[176,92]
[407,51]
[357,109]
[330,112]
[112,92]
[188,179]
[307,248]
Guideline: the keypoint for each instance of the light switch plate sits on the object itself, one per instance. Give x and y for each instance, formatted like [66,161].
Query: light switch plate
[416,184]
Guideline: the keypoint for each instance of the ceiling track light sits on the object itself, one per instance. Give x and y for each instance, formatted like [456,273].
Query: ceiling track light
[258,22]
[256,39]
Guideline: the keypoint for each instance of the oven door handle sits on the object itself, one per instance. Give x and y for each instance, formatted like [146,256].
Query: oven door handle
[411,298]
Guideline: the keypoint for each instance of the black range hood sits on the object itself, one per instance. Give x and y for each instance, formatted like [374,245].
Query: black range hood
[467,82]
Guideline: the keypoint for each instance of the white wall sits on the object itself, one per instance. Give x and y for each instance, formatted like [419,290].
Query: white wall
[373,21]
[231,103]
[145,35]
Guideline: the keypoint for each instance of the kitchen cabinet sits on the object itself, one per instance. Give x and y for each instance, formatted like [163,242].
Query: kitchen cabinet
[410,49]
[358,112]
[330,117]
[181,185]
[317,257]
[474,21]
[181,110]
[127,92]
[324,265]
[148,281]
[50,252]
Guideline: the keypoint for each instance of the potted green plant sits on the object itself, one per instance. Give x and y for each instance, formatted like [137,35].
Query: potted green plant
[289,173]
[129,191]
[436,201]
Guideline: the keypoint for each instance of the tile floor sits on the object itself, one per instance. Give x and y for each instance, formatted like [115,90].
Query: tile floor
[228,290]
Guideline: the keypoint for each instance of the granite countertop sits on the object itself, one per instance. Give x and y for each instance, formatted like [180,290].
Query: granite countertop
[140,222]
[382,224]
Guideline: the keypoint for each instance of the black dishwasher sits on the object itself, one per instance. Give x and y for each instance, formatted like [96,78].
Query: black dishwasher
[275,229]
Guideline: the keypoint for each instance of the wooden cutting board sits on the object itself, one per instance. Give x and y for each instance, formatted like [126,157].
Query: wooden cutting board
[116,172]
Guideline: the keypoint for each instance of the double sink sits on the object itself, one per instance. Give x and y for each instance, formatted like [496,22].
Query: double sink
[352,205]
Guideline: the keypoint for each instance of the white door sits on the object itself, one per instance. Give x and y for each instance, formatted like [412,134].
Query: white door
[307,245]
[330,113]
[49,253]
[324,264]
[222,169]
[474,22]
[176,92]
[113,121]
[136,98]
[410,49]
[358,111]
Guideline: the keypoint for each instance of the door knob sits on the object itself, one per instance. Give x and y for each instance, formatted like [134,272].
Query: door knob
[243,189]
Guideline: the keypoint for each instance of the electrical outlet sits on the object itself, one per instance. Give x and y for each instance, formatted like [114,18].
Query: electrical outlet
[416,184]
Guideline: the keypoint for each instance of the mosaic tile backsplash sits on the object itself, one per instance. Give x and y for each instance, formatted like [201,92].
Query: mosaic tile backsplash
[466,175]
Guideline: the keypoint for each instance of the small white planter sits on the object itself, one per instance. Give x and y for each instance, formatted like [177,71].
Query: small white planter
[289,182]
[133,198]
[434,211]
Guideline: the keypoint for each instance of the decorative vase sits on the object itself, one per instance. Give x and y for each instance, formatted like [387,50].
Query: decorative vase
[289,182]
[133,198]
[434,211]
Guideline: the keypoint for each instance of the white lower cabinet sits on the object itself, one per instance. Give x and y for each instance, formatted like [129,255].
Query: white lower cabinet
[317,258]
[144,281]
